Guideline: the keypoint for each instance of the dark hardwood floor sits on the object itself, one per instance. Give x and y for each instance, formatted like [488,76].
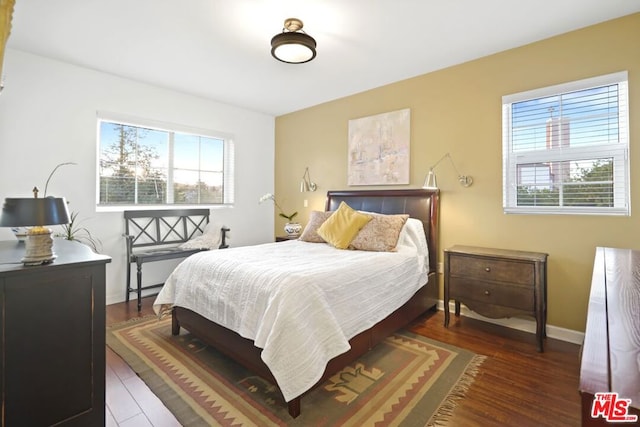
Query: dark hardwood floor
[516,385]
[129,402]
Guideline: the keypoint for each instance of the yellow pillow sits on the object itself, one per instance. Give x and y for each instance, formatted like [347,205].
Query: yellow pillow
[342,226]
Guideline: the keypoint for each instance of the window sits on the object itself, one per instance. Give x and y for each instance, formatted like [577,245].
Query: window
[566,148]
[146,163]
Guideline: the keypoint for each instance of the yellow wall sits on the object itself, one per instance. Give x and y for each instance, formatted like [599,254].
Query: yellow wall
[458,110]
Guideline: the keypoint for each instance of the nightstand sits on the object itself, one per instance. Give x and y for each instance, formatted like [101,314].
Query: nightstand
[497,283]
[284,238]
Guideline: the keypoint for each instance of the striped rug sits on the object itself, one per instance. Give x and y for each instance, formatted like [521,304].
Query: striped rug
[406,380]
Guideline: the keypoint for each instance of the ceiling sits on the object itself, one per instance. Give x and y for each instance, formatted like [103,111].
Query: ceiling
[220,49]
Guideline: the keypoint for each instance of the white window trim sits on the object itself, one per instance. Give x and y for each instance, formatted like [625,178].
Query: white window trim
[619,151]
[229,160]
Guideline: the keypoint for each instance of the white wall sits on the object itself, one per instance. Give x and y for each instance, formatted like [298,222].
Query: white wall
[48,116]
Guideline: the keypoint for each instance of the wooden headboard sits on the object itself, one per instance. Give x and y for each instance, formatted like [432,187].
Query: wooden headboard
[418,203]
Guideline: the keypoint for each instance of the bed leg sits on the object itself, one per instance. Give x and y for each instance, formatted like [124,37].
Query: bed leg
[294,407]
[175,325]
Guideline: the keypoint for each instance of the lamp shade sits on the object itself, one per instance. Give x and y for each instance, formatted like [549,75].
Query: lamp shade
[430,183]
[26,212]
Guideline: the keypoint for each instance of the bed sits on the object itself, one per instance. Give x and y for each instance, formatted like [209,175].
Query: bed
[256,346]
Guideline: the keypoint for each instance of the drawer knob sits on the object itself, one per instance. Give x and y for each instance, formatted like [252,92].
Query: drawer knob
[487,269]
[487,293]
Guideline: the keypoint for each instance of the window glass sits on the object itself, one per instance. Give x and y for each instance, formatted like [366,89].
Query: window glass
[147,165]
[565,148]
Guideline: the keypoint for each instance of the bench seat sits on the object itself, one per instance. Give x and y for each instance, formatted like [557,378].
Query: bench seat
[163,254]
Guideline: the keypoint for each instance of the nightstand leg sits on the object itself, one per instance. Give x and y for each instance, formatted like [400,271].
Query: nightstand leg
[446,313]
[457,308]
[540,333]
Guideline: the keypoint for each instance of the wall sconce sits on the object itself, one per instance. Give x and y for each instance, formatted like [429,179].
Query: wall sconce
[35,213]
[431,183]
[293,45]
[306,184]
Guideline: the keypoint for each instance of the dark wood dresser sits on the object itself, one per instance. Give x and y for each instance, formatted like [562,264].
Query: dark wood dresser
[610,358]
[497,283]
[52,349]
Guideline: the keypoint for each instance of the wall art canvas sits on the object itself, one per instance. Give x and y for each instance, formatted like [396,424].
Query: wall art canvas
[379,149]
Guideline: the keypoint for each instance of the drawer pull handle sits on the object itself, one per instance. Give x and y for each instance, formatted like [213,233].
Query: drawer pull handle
[487,269]
[487,293]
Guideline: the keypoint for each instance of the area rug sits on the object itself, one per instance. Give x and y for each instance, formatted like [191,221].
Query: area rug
[407,380]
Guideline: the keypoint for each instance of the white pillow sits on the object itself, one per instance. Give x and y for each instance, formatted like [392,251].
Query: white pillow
[210,238]
[412,235]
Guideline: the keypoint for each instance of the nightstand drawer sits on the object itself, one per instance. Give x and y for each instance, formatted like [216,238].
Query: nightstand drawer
[512,296]
[488,269]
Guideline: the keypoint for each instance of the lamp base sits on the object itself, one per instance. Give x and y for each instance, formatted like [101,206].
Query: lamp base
[38,247]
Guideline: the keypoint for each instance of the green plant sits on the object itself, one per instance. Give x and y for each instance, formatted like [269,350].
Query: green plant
[46,185]
[270,196]
[74,231]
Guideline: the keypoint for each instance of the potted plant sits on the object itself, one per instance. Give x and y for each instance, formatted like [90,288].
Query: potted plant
[73,230]
[292,228]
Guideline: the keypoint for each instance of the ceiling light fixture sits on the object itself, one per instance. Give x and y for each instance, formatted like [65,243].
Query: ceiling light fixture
[293,45]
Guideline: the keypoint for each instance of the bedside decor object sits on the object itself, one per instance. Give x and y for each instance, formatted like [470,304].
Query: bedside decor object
[292,228]
[378,149]
[430,182]
[497,283]
[293,45]
[307,185]
[36,213]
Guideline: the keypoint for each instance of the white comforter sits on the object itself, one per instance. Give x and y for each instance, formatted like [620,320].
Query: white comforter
[300,302]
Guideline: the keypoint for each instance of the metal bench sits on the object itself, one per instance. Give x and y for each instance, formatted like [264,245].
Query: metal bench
[155,235]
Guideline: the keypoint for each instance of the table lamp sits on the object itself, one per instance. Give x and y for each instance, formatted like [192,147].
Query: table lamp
[35,213]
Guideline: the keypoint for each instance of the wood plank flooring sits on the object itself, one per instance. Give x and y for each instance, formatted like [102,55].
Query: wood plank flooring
[516,386]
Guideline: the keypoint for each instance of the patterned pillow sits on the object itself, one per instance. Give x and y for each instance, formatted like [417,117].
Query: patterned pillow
[316,219]
[342,226]
[380,234]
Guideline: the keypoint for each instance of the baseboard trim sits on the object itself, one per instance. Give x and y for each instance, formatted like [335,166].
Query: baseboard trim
[520,324]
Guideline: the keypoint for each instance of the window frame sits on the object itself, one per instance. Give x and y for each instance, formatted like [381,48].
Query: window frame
[618,151]
[228,162]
